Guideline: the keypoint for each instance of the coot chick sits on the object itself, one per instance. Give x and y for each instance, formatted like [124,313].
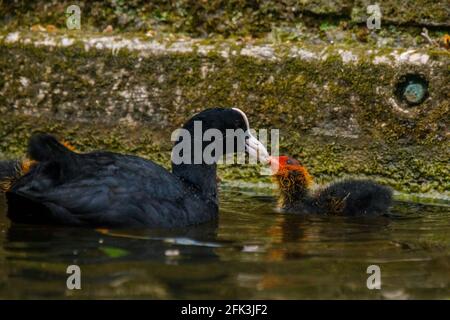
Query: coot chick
[10,171]
[114,190]
[349,197]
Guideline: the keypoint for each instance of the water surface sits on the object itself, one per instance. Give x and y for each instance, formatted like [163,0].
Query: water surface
[252,252]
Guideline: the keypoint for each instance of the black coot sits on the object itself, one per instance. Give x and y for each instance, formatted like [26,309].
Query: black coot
[115,190]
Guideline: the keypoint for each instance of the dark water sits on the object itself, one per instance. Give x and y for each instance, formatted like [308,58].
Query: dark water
[253,252]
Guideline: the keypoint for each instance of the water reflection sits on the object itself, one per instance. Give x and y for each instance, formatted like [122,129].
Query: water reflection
[298,234]
[251,252]
[82,245]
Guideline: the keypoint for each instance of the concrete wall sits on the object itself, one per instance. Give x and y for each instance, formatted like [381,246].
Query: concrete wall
[337,106]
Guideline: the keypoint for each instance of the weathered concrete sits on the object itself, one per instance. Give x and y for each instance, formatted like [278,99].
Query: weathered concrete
[336,106]
[406,12]
[226,17]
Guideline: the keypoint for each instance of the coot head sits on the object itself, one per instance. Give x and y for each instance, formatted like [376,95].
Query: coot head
[217,131]
[291,176]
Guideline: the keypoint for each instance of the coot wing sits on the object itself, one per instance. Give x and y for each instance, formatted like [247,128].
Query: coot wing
[104,189]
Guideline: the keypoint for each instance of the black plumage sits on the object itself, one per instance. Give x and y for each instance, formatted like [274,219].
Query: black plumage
[354,197]
[10,171]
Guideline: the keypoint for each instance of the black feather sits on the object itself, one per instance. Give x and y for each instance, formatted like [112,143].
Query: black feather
[356,197]
[8,168]
[350,197]
[44,147]
[9,173]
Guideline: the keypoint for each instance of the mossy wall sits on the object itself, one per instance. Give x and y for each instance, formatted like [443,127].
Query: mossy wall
[224,17]
[335,106]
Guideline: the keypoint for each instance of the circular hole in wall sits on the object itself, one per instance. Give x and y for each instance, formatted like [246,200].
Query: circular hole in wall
[412,89]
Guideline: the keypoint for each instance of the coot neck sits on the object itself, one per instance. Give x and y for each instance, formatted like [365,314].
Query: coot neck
[189,164]
[203,140]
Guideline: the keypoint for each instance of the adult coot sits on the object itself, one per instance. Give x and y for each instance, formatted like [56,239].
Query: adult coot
[109,189]
[347,197]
